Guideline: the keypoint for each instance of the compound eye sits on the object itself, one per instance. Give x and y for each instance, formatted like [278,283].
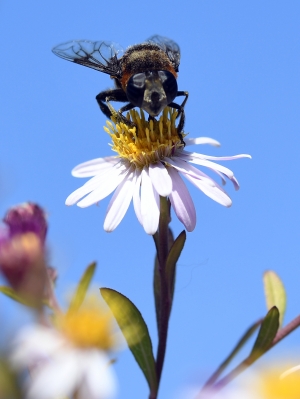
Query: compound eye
[169,83]
[136,88]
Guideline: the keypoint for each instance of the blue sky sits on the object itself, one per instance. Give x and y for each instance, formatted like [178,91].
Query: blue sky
[241,65]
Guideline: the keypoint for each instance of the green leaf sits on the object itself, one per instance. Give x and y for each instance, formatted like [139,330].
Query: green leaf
[9,292]
[232,354]
[82,288]
[266,334]
[156,241]
[9,381]
[172,259]
[135,332]
[275,293]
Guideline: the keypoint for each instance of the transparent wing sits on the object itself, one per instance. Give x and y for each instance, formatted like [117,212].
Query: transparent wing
[169,47]
[103,56]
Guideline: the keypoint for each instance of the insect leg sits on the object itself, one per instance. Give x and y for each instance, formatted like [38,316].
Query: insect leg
[181,112]
[183,93]
[110,95]
[106,96]
[120,117]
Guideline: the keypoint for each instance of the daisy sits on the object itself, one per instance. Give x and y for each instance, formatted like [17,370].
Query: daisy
[68,360]
[149,164]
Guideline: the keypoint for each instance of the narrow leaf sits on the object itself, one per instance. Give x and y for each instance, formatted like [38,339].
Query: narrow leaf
[275,293]
[172,259]
[9,292]
[135,332]
[266,334]
[82,288]
[232,354]
[156,241]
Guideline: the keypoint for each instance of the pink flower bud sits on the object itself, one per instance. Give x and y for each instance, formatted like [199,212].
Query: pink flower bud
[27,217]
[22,251]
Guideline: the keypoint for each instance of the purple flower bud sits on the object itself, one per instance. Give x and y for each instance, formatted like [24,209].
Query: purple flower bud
[22,251]
[26,218]
[22,262]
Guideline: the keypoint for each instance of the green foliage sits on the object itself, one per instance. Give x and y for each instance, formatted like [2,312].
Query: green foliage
[172,259]
[82,288]
[275,293]
[9,292]
[266,334]
[135,332]
[245,337]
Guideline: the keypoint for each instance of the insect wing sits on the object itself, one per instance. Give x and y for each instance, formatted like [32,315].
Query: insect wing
[103,56]
[170,47]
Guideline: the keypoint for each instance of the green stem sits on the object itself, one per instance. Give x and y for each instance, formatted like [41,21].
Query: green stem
[282,333]
[209,383]
[165,305]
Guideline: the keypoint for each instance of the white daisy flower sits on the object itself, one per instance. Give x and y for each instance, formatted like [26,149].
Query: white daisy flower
[66,361]
[150,164]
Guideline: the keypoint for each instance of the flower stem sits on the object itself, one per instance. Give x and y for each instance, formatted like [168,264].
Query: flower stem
[282,333]
[162,238]
[209,383]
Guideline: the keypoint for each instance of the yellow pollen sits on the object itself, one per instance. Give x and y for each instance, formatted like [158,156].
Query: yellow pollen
[91,326]
[148,141]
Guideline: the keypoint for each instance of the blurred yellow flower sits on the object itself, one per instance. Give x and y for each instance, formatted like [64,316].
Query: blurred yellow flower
[90,326]
[273,386]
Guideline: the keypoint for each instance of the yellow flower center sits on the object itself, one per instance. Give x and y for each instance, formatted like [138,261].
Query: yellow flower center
[90,326]
[274,387]
[148,141]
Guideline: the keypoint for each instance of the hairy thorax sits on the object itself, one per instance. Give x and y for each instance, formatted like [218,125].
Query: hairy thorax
[144,57]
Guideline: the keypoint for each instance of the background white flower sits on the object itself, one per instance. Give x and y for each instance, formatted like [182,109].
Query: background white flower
[58,369]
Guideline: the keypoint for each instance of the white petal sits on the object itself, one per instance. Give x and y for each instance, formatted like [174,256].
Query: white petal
[206,184]
[107,186]
[149,204]
[235,183]
[99,380]
[214,192]
[189,155]
[57,378]
[136,197]
[101,192]
[185,167]
[119,202]
[182,202]
[232,179]
[221,176]
[117,169]
[93,167]
[32,344]
[198,160]
[160,179]
[94,183]
[202,140]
